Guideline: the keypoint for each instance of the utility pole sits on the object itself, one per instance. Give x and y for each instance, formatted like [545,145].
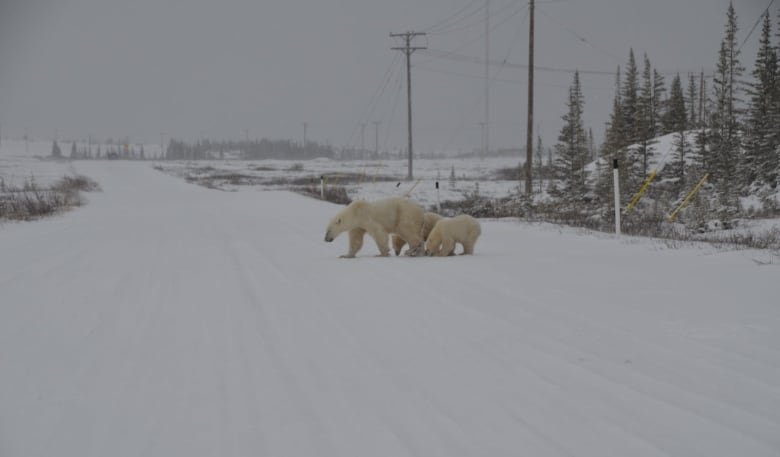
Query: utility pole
[376,138]
[483,131]
[408,49]
[529,143]
[305,125]
[487,78]
[362,139]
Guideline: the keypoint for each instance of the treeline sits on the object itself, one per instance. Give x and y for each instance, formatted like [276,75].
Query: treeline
[123,151]
[729,130]
[249,150]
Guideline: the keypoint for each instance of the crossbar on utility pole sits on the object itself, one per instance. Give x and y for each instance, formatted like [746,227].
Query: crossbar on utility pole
[408,49]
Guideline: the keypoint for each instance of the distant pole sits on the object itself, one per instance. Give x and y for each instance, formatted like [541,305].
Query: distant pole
[246,136]
[486,139]
[483,131]
[408,49]
[529,143]
[322,187]
[362,139]
[26,149]
[616,186]
[376,138]
[305,125]
[438,200]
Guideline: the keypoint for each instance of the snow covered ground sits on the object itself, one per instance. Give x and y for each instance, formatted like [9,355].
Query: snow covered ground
[370,179]
[167,319]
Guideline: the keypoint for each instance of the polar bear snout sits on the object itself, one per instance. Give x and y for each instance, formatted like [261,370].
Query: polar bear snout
[328,238]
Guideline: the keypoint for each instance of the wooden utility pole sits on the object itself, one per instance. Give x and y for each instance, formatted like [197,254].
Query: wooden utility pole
[529,143]
[408,49]
[486,139]
[305,125]
[362,140]
[376,138]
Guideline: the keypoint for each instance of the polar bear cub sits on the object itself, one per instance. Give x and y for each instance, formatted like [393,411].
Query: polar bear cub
[462,229]
[429,220]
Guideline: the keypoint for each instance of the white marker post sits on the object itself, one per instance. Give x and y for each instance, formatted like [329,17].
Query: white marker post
[322,187]
[616,181]
[438,200]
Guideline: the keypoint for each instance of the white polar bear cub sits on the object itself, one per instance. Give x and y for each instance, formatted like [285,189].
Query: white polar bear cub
[380,218]
[429,220]
[462,229]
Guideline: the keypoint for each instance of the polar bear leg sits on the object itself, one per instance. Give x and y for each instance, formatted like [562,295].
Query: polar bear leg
[379,234]
[355,242]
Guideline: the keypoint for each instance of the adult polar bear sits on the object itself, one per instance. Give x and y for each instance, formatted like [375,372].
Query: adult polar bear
[395,215]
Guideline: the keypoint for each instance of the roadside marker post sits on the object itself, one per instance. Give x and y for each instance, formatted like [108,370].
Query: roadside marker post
[438,200]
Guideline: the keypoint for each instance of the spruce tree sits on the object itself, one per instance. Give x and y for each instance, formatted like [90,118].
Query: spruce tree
[572,148]
[73,152]
[724,122]
[630,99]
[759,164]
[659,102]
[644,120]
[692,100]
[675,117]
[614,146]
[539,162]
[676,121]
[56,152]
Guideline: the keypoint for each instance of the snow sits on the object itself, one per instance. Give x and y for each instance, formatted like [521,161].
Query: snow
[167,319]
[472,175]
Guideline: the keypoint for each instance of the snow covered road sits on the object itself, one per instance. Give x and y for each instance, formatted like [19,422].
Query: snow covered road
[165,319]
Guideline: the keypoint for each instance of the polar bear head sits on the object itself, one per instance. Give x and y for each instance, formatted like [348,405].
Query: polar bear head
[344,220]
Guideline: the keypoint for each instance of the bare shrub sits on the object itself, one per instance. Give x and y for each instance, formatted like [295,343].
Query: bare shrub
[333,194]
[31,201]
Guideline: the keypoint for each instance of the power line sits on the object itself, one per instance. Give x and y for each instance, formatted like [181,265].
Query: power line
[499,12]
[443,27]
[450,17]
[766,11]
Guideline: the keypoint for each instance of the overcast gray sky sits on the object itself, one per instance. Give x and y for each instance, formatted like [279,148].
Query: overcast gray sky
[116,68]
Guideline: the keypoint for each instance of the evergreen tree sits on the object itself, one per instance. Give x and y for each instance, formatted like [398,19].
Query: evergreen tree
[645,123]
[675,118]
[142,155]
[676,121]
[613,147]
[572,148]
[759,164]
[73,152]
[724,121]
[630,100]
[56,152]
[659,91]
[539,162]
[692,100]
[591,145]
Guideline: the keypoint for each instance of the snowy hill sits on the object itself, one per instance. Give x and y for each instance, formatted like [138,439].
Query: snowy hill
[166,319]
[663,152]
